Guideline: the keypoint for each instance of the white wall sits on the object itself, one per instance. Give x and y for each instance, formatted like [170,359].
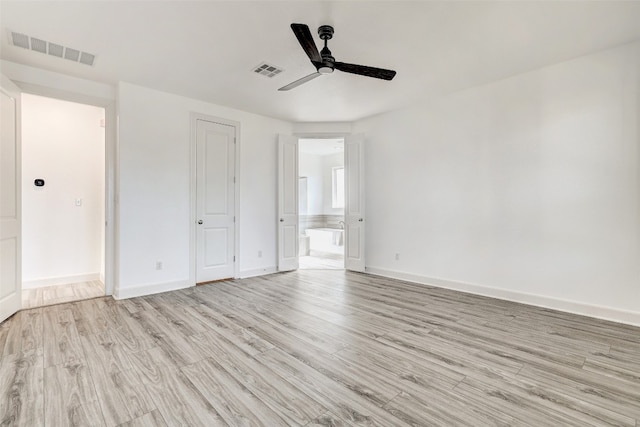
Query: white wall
[62,143]
[527,188]
[154,206]
[310,165]
[319,172]
[328,163]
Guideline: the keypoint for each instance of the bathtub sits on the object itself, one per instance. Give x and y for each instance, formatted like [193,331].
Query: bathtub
[326,239]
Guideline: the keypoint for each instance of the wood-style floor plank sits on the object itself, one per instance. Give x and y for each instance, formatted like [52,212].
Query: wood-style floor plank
[315,348]
[61,339]
[22,385]
[263,382]
[176,398]
[152,419]
[70,397]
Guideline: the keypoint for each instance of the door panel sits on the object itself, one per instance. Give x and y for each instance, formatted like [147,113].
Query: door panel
[10,184]
[354,203]
[215,247]
[215,201]
[287,203]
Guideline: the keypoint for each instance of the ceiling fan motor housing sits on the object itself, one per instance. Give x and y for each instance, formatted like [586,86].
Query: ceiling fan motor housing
[326,33]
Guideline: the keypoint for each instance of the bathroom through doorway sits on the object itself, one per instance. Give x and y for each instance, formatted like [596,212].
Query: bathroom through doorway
[321,203]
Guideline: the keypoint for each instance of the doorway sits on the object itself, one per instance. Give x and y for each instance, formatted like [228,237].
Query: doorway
[321,200]
[63,201]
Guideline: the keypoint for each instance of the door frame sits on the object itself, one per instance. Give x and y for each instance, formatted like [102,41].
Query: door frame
[193,175]
[326,135]
[111,181]
[11,303]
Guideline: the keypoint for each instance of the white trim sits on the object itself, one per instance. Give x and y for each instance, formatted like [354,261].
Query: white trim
[599,312]
[150,289]
[258,272]
[193,117]
[62,280]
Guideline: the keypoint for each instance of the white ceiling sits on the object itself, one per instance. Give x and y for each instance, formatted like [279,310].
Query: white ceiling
[206,49]
[321,147]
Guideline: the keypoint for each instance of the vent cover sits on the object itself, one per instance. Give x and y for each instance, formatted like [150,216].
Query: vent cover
[38,45]
[267,70]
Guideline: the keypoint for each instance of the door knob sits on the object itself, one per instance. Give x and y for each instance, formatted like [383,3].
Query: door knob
[360,220]
[199,221]
[281,219]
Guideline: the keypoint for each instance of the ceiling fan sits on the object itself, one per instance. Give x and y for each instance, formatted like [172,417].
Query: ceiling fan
[324,62]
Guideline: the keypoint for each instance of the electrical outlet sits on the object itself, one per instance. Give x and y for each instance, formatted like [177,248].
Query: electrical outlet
[259,254]
[397,256]
[159,265]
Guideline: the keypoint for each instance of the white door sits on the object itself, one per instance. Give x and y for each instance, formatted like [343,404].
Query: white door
[10,185]
[354,203]
[287,203]
[215,201]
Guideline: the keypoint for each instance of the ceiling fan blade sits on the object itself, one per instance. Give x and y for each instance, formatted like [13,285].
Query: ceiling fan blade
[306,41]
[300,81]
[363,70]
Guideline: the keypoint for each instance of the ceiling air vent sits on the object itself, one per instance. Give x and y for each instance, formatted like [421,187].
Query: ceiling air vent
[267,70]
[20,40]
[38,45]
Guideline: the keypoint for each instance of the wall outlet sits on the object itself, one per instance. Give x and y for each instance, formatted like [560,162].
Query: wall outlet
[159,265]
[397,256]
[259,254]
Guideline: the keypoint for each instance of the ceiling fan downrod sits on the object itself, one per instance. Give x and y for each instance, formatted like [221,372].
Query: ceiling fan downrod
[326,33]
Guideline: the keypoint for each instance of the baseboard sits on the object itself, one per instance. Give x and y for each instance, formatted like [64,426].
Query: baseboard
[258,272]
[599,312]
[149,289]
[62,280]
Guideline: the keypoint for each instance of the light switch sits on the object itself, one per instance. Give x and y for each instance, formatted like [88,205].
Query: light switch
[78,201]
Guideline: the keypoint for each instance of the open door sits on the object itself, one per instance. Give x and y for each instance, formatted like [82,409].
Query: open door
[354,203]
[287,203]
[10,185]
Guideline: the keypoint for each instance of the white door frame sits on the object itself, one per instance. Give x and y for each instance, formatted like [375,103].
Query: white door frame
[327,135]
[111,188]
[193,118]
[12,229]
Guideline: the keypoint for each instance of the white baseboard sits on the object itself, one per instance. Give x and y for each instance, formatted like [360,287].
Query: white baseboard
[63,280]
[600,312]
[149,289]
[258,272]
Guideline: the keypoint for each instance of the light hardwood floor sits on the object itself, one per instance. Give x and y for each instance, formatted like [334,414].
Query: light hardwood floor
[315,348]
[39,297]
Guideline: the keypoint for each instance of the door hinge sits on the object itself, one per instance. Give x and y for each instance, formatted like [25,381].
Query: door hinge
[234,179]
[234,219]
[234,258]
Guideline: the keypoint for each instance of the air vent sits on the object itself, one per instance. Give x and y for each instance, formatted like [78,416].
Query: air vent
[267,70]
[71,54]
[38,45]
[87,58]
[56,50]
[20,40]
